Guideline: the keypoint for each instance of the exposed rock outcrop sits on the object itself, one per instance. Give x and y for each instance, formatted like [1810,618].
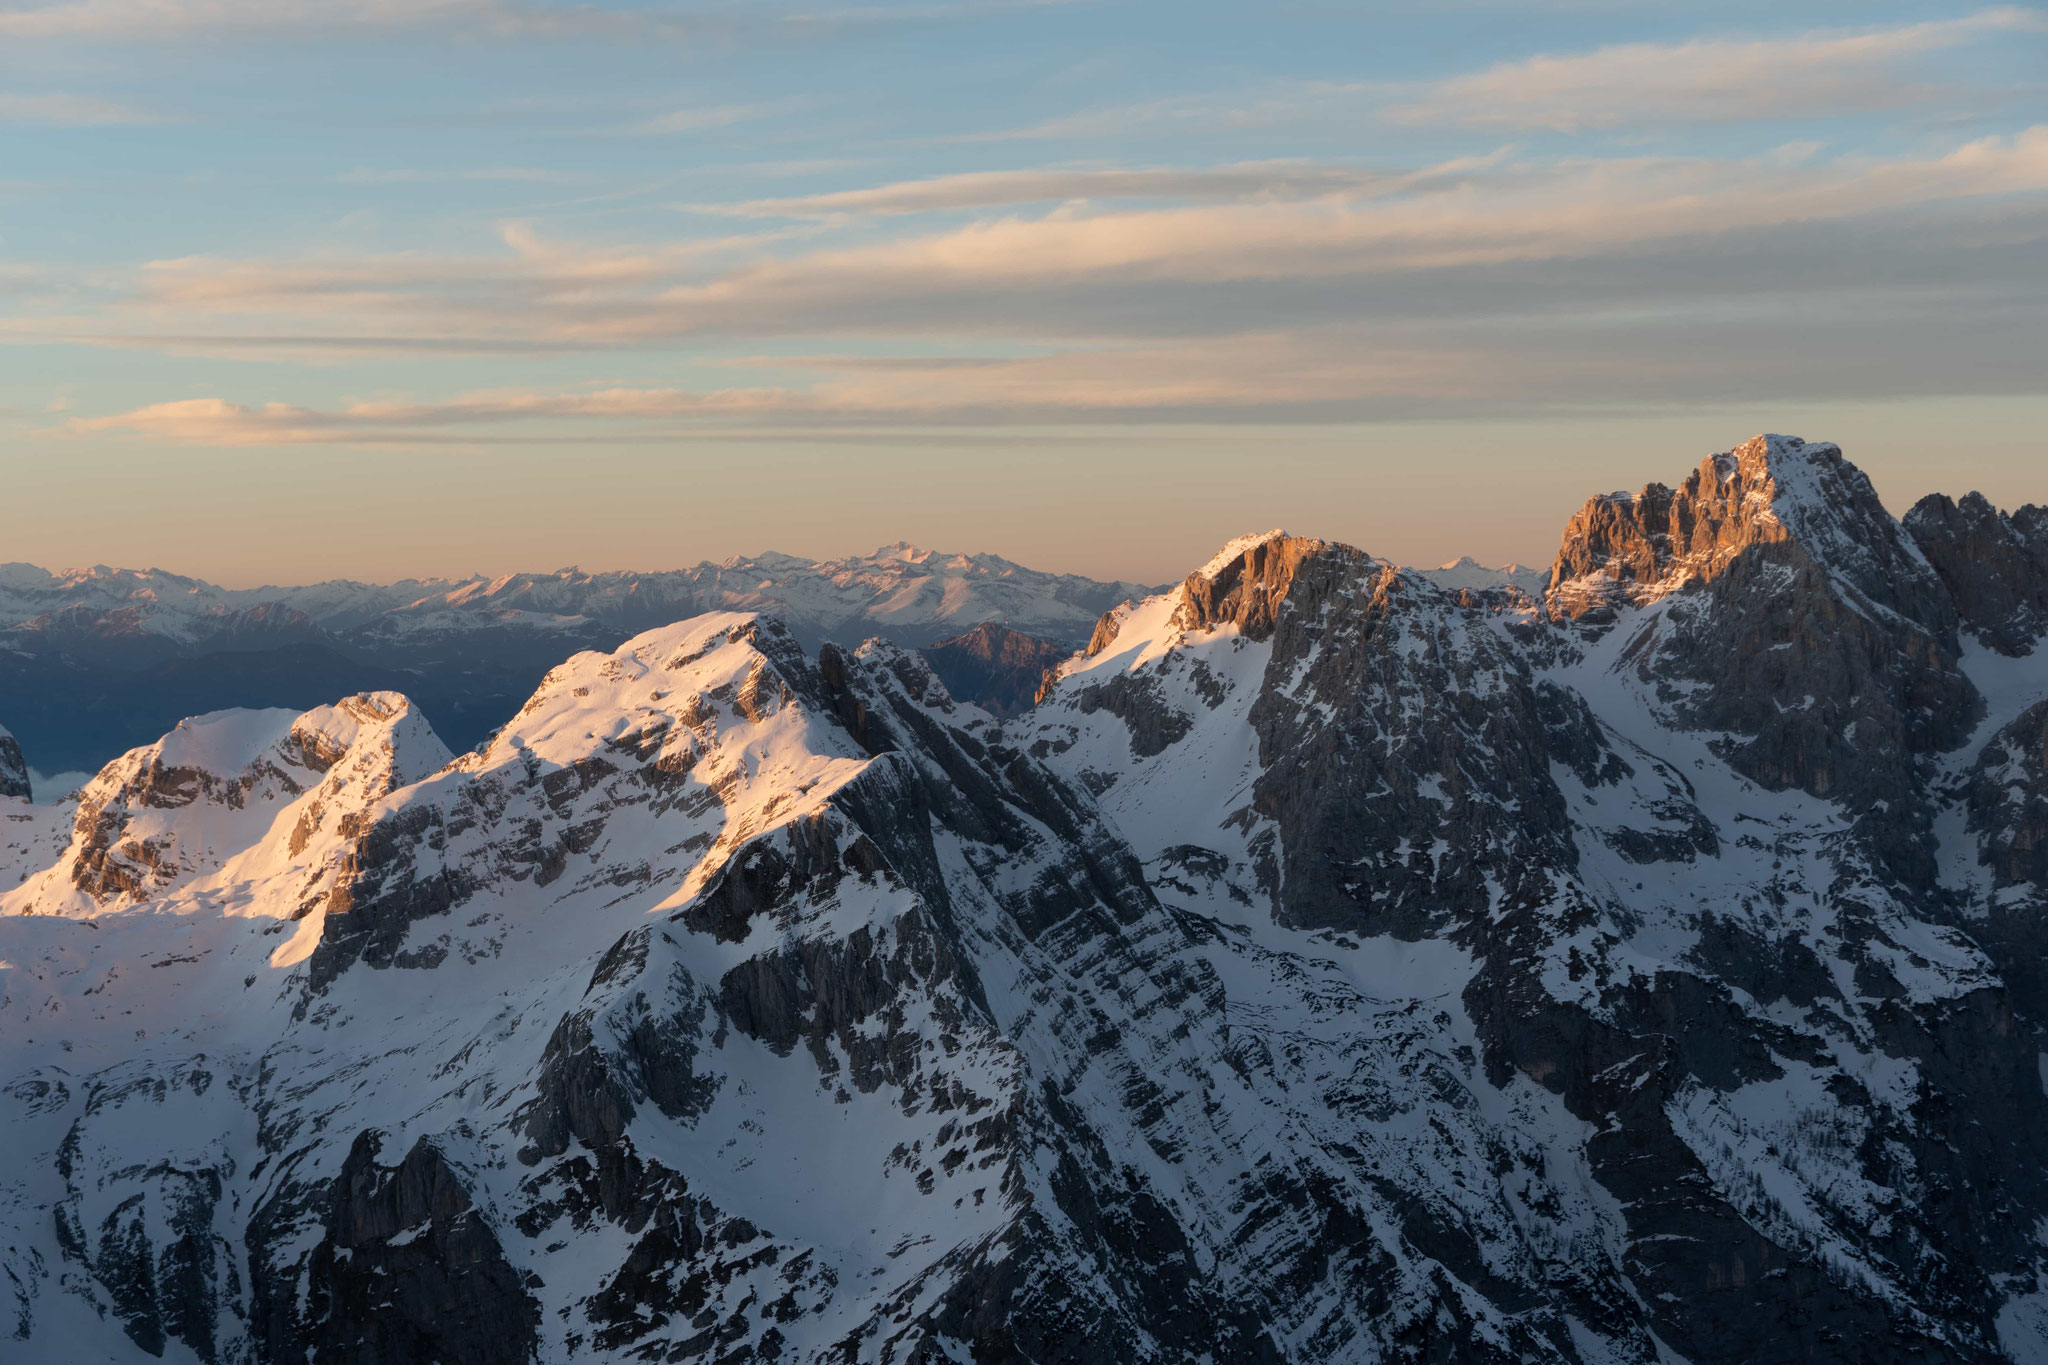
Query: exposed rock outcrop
[1995,566]
[13,768]
[1394,727]
[412,1270]
[1788,612]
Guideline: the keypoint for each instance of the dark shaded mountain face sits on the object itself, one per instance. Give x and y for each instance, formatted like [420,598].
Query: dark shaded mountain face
[1333,966]
[1994,566]
[94,662]
[993,667]
[13,767]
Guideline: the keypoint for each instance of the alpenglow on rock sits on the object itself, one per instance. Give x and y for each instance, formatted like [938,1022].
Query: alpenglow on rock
[1334,965]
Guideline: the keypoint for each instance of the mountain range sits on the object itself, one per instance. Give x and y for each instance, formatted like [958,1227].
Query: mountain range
[1639,962]
[95,661]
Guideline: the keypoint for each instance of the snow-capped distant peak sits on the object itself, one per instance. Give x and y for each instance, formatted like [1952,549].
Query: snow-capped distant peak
[902,550]
[1466,572]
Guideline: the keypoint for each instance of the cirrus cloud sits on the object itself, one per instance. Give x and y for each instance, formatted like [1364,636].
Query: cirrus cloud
[1120,271]
[75,111]
[997,189]
[1709,80]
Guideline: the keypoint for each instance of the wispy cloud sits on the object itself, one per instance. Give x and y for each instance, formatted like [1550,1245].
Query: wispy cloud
[1209,112]
[532,175]
[1053,273]
[998,189]
[1339,372]
[1183,378]
[1631,85]
[706,117]
[1709,80]
[1496,283]
[271,19]
[76,111]
[214,421]
[141,19]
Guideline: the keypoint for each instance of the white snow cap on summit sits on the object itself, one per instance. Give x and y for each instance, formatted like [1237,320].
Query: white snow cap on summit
[1237,548]
[224,743]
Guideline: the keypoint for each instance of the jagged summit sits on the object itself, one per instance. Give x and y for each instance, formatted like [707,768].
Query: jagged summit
[1995,566]
[1773,600]
[908,553]
[1234,550]
[1771,490]
[1243,585]
[1239,586]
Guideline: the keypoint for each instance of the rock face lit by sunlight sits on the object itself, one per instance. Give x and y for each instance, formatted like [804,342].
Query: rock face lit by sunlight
[1331,962]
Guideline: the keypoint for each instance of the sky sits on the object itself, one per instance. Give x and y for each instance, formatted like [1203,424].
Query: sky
[299,289]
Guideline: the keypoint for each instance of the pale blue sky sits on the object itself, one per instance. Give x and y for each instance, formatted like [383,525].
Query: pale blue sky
[370,288]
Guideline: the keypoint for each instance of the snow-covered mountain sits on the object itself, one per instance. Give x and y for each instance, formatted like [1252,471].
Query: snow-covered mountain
[1334,965]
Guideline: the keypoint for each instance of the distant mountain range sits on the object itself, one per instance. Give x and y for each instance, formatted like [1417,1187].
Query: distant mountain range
[95,661]
[899,589]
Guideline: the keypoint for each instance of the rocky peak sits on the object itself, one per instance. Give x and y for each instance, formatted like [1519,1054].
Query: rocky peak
[1242,585]
[13,767]
[166,814]
[1771,491]
[1358,715]
[1995,566]
[718,726]
[902,550]
[1245,587]
[1776,604]
[364,747]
